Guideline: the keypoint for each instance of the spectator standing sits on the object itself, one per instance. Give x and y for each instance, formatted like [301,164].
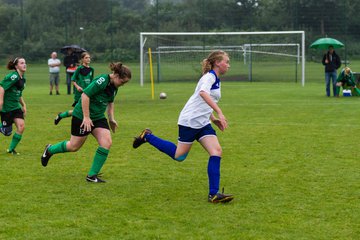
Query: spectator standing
[70,62]
[332,62]
[54,70]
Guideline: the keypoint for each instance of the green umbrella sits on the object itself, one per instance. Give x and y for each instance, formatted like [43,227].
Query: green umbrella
[324,43]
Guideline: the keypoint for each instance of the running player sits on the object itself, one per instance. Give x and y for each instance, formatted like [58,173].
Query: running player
[88,117]
[194,124]
[81,78]
[12,104]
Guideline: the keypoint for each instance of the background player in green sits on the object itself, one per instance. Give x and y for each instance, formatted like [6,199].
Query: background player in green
[12,104]
[345,80]
[88,117]
[81,78]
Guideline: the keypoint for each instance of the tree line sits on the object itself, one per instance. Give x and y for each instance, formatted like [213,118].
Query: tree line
[109,29]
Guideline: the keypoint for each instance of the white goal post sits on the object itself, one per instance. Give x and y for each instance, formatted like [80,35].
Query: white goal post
[245,47]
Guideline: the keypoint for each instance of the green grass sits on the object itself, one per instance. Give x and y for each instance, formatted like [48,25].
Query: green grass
[290,157]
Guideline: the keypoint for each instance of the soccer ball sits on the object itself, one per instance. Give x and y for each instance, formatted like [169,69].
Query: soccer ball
[163,95]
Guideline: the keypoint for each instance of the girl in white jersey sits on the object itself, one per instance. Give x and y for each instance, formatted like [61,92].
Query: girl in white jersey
[195,123]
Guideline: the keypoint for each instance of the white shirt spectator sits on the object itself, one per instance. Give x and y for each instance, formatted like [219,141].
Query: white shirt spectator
[54,63]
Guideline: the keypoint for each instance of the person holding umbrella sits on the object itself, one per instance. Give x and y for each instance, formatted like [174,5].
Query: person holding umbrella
[332,62]
[70,62]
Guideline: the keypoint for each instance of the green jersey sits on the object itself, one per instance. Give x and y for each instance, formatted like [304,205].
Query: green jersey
[83,76]
[13,85]
[101,92]
[348,80]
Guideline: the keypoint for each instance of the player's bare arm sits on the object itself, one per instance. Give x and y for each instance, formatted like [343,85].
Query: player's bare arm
[1,97]
[216,108]
[85,103]
[112,121]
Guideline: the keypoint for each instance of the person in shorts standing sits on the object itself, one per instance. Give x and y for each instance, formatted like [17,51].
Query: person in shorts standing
[54,70]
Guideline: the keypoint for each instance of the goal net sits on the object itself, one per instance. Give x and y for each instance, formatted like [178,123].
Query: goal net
[254,56]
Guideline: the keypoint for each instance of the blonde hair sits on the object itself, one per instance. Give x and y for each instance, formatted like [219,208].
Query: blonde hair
[347,71]
[209,62]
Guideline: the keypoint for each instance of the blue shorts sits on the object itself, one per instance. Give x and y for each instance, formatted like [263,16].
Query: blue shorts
[189,135]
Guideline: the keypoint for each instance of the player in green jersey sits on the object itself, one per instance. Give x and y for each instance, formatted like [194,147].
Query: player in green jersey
[12,104]
[89,117]
[81,78]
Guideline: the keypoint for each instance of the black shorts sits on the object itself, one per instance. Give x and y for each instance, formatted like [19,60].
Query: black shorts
[77,131]
[7,118]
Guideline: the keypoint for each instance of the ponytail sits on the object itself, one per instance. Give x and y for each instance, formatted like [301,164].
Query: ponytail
[11,65]
[122,70]
[209,62]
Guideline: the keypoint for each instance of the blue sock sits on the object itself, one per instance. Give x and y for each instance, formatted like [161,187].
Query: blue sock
[164,146]
[214,174]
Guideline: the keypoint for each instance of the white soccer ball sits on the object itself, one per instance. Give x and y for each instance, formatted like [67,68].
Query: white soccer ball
[163,95]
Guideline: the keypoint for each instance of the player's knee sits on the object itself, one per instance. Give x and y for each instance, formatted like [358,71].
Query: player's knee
[21,127]
[181,158]
[106,143]
[73,147]
[216,151]
[6,130]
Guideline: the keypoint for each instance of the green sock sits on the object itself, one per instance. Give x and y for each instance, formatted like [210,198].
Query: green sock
[99,160]
[64,114]
[59,147]
[14,142]
[337,91]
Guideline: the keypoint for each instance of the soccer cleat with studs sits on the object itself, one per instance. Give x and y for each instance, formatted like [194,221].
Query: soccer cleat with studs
[94,179]
[141,138]
[220,197]
[57,119]
[13,152]
[46,156]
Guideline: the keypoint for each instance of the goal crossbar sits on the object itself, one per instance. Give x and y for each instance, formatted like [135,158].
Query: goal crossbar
[144,34]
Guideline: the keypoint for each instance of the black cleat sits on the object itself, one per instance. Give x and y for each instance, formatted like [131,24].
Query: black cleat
[141,138]
[220,197]
[94,179]
[57,119]
[13,152]
[46,156]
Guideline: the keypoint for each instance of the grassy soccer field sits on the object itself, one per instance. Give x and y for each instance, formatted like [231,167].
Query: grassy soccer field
[290,157]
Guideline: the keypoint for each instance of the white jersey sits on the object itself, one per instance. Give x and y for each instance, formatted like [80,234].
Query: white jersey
[196,112]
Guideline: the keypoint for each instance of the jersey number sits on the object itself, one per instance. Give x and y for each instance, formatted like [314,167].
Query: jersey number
[100,81]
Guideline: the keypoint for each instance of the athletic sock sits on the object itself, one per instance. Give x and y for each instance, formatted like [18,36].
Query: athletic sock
[64,114]
[214,174]
[337,91]
[164,146]
[99,160]
[59,147]
[15,140]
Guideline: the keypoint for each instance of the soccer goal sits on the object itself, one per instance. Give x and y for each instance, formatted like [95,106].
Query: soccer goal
[254,56]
